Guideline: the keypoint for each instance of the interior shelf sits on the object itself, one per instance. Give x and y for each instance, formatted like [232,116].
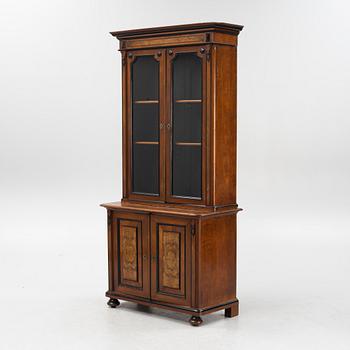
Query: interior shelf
[188,144]
[188,101]
[146,101]
[147,143]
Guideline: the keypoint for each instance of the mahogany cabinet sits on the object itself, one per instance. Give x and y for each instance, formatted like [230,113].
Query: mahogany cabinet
[172,238]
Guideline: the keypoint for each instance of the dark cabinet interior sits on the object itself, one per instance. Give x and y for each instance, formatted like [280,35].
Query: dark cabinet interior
[187,125]
[170,105]
[145,125]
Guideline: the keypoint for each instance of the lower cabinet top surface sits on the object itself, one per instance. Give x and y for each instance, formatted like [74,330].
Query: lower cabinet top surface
[170,209]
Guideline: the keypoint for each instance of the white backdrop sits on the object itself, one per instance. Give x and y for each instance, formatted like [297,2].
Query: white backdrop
[60,156]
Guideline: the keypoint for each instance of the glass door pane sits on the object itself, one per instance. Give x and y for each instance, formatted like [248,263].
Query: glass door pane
[145,125]
[187,125]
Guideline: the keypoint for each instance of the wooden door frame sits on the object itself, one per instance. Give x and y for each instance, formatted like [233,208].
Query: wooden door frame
[203,52]
[128,59]
[165,295]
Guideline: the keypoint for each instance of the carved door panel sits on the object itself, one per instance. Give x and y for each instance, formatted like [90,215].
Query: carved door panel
[171,260]
[131,254]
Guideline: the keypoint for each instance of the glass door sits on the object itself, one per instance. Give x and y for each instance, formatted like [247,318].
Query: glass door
[186,124]
[146,173]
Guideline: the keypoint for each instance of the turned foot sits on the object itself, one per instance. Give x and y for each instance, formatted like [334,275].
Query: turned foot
[232,311]
[113,303]
[195,320]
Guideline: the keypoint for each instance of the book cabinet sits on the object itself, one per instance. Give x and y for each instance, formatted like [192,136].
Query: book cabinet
[172,237]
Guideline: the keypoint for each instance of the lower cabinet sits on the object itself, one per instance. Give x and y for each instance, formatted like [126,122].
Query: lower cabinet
[150,257]
[181,263]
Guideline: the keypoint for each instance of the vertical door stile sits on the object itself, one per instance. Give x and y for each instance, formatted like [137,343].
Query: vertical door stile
[124,124]
[110,251]
[153,252]
[167,123]
[204,55]
[162,105]
[128,120]
[206,125]
[150,254]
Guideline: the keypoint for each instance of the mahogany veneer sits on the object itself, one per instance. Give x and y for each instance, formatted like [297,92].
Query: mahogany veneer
[172,238]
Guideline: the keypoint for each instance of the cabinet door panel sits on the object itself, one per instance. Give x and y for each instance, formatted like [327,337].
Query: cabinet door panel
[131,253]
[171,260]
[145,125]
[186,142]
[145,103]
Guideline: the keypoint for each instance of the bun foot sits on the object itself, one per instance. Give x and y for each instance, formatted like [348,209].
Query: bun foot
[195,321]
[113,303]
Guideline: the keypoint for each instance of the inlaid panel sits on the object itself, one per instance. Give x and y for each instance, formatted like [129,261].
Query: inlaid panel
[128,253]
[170,254]
[130,259]
[171,259]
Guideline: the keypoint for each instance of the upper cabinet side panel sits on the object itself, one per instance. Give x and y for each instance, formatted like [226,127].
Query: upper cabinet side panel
[224,120]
